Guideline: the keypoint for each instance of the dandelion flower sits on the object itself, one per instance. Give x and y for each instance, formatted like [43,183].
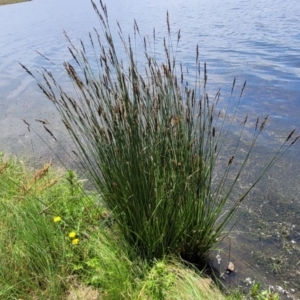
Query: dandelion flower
[75,241]
[56,219]
[72,234]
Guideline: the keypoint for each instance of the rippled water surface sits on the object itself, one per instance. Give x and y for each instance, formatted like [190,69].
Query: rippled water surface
[256,41]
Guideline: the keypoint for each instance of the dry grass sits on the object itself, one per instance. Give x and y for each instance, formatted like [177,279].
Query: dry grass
[3,2]
[83,293]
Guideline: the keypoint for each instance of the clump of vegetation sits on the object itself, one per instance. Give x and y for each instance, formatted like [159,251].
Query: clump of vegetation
[152,143]
[40,260]
[255,293]
[56,243]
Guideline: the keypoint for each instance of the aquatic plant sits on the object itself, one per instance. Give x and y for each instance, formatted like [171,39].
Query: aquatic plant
[152,143]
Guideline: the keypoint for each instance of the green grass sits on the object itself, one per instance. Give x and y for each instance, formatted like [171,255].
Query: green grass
[34,250]
[38,211]
[39,260]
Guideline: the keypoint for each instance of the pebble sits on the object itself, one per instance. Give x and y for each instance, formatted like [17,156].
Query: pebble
[230,267]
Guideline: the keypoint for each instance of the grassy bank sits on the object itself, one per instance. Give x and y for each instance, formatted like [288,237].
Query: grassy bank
[3,2]
[59,242]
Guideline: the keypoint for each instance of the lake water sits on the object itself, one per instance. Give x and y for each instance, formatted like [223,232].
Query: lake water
[256,41]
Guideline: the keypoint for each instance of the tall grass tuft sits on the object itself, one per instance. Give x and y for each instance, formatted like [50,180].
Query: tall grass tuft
[152,142]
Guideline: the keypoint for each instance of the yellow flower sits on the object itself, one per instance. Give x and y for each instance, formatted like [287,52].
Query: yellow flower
[56,219]
[75,241]
[72,234]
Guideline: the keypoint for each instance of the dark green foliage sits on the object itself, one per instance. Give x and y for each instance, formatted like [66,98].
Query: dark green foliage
[152,143]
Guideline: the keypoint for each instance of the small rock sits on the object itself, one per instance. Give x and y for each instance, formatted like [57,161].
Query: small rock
[218,257]
[230,267]
[280,289]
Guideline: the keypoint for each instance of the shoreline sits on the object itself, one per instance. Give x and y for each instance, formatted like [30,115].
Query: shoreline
[4,2]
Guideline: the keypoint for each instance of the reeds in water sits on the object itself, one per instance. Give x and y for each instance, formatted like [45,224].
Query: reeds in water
[151,143]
